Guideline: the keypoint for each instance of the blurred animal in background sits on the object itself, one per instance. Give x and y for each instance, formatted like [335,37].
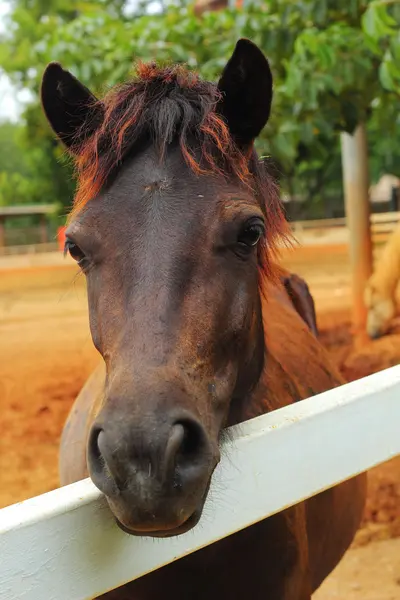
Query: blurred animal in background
[382,293]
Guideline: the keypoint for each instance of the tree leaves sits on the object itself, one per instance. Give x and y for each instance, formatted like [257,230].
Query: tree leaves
[381,23]
[377,22]
[333,61]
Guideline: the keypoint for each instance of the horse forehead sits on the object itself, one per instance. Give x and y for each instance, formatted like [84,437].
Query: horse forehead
[146,184]
[149,191]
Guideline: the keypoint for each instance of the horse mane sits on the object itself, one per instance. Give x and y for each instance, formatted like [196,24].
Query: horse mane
[162,105]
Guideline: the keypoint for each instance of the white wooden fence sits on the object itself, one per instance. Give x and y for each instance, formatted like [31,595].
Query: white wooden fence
[64,545]
[322,232]
[380,222]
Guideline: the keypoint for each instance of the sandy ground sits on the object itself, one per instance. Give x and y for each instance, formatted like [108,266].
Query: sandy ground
[368,573]
[46,354]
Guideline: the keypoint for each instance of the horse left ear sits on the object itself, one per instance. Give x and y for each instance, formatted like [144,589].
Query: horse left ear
[246,88]
[71,109]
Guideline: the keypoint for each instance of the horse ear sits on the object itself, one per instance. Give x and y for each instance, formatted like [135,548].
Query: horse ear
[71,109]
[246,88]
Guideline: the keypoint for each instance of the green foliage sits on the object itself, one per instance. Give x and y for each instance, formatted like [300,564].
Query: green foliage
[14,167]
[381,24]
[13,188]
[10,152]
[29,173]
[335,64]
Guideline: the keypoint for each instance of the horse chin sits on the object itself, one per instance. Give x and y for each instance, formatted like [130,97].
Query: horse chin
[166,533]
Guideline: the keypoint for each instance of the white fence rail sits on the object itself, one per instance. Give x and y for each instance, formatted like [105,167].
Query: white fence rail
[29,249]
[323,232]
[379,221]
[64,545]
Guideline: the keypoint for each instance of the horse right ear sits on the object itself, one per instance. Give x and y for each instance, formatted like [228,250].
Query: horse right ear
[246,90]
[71,109]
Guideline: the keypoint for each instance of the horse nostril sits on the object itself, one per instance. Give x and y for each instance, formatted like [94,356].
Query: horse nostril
[192,443]
[95,458]
[185,448]
[98,467]
[177,453]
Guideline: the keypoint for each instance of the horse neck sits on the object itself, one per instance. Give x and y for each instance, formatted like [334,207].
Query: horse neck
[296,365]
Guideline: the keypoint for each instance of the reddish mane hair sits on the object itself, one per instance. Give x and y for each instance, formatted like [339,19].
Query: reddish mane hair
[164,104]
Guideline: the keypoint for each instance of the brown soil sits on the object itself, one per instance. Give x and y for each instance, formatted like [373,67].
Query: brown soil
[45,356]
[368,573]
[382,512]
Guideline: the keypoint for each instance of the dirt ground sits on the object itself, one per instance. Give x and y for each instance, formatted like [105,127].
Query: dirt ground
[368,573]
[46,354]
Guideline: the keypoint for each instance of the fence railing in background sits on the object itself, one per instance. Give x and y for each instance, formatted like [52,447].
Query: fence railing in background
[331,230]
[64,545]
[28,249]
[379,222]
[335,232]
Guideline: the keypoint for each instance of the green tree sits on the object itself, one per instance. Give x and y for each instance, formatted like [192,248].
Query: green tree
[14,167]
[29,173]
[380,23]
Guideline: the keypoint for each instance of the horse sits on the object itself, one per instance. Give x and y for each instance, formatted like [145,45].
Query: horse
[176,224]
[382,291]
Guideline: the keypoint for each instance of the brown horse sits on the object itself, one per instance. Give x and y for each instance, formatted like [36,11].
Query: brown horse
[175,225]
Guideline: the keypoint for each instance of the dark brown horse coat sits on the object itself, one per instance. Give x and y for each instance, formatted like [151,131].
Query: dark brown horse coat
[289,554]
[175,224]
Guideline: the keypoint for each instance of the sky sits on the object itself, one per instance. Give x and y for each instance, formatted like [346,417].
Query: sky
[10,100]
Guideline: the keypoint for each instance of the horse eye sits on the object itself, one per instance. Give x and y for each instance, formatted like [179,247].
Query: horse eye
[74,251]
[251,235]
